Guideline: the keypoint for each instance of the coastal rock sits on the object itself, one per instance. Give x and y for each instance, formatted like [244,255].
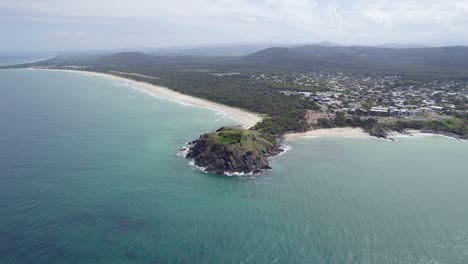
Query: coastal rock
[218,153]
[379,132]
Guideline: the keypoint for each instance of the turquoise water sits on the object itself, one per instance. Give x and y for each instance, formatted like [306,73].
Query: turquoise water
[89,174]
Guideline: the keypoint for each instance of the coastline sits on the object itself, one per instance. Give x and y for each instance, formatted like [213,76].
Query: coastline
[245,118]
[340,132]
[43,59]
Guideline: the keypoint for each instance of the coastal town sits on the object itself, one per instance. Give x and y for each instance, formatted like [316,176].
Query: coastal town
[385,97]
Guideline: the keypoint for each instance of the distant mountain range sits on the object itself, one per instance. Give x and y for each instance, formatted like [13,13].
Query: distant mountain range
[435,61]
[245,49]
[215,50]
[455,56]
[400,46]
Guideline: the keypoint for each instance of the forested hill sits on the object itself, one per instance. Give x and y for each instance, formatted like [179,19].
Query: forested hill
[443,61]
[455,56]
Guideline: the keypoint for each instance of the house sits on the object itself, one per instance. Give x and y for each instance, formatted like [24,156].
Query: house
[379,111]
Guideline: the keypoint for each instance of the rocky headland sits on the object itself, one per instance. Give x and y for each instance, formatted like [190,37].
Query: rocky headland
[233,150]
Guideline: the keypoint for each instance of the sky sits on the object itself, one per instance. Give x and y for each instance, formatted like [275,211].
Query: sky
[64,25]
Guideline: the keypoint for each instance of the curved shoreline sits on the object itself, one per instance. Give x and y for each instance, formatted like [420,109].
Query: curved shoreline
[341,132]
[245,118]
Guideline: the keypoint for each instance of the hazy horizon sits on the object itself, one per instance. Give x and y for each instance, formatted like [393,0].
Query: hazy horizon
[51,26]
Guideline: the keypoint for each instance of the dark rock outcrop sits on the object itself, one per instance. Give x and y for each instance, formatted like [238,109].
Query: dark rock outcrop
[221,158]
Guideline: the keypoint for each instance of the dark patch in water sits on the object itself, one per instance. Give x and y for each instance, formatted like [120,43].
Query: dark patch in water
[85,219]
[127,224]
[46,251]
[9,241]
[141,254]
[157,237]
[131,253]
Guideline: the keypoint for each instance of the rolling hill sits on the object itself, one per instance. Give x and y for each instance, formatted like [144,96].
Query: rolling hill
[419,61]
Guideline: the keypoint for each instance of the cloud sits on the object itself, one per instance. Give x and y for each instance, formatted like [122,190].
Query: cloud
[215,21]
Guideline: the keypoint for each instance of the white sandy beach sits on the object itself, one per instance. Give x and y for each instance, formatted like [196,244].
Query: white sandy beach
[342,132]
[245,118]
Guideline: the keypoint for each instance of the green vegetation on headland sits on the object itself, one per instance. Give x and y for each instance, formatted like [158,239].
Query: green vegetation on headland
[238,138]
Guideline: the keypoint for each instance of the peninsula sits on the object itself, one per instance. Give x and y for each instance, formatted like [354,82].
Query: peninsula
[233,150]
[291,91]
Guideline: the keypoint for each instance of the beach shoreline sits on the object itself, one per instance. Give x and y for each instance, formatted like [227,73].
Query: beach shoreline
[411,133]
[341,132]
[245,118]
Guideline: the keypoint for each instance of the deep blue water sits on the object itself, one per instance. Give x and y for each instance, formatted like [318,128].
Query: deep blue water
[89,174]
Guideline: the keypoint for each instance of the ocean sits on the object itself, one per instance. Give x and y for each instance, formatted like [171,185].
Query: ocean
[89,173]
[16,58]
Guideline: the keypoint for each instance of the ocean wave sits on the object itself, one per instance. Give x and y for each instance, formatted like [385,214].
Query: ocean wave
[229,174]
[159,96]
[218,112]
[183,151]
[240,174]
[202,169]
[43,59]
[223,114]
[416,135]
[121,84]
[285,148]
[426,135]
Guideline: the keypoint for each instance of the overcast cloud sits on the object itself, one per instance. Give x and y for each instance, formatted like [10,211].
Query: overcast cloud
[97,24]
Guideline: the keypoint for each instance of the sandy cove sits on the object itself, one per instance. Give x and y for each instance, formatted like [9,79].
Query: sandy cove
[349,132]
[341,132]
[245,118]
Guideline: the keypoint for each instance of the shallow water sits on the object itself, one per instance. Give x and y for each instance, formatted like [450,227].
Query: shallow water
[89,174]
